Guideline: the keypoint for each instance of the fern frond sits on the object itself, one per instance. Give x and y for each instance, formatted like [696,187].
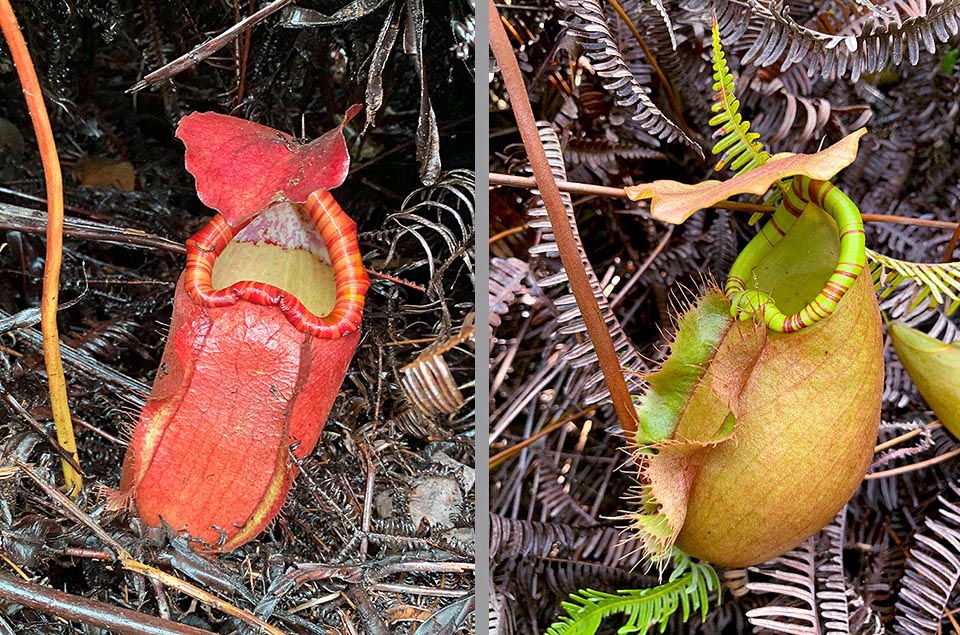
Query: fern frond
[835,593]
[741,148]
[665,16]
[688,589]
[505,284]
[880,43]
[794,577]
[939,281]
[932,572]
[570,320]
[592,32]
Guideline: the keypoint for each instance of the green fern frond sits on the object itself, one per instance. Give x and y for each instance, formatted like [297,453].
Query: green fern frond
[688,590]
[741,148]
[939,281]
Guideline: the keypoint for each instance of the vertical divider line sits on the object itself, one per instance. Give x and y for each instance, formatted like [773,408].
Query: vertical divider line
[482,362]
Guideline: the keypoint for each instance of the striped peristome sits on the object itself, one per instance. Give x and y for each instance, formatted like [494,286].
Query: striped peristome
[747,303]
[339,234]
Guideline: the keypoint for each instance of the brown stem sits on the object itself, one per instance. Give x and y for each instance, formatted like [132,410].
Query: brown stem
[948,252]
[51,268]
[92,612]
[904,220]
[611,192]
[596,327]
[564,186]
[513,450]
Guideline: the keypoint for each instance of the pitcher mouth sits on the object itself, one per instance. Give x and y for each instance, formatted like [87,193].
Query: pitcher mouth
[825,196]
[338,234]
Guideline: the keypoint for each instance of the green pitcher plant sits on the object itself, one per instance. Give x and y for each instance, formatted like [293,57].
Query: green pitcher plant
[934,367]
[762,421]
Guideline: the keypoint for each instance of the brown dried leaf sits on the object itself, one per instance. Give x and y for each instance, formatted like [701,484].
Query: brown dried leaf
[101,173]
[675,202]
[427,380]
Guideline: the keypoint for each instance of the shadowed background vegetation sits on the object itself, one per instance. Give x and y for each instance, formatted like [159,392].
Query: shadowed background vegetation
[359,505]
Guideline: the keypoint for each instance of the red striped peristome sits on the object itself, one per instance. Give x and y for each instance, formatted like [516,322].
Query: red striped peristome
[339,234]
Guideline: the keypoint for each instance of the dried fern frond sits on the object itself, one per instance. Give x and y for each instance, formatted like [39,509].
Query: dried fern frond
[511,539]
[795,573]
[437,221]
[937,281]
[877,45]
[834,593]
[785,114]
[427,381]
[601,154]
[580,355]
[741,148]
[932,572]
[733,18]
[506,283]
[665,16]
[501,616]
[933,320]
[592,32]
[814,594]
[898,389]
[688,589]
[888,429]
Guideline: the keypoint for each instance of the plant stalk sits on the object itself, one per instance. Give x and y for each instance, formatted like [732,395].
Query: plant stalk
[51,271]
[596,327]
[589,189]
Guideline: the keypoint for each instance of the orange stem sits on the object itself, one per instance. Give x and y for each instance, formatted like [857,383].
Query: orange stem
[507,232]
[51,274]
[513,450]
[913,467]
[948,253]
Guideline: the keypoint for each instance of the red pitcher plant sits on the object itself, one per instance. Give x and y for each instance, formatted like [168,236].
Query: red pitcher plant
[266,318]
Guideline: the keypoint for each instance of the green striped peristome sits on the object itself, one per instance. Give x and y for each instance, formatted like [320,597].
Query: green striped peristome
[747,303]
